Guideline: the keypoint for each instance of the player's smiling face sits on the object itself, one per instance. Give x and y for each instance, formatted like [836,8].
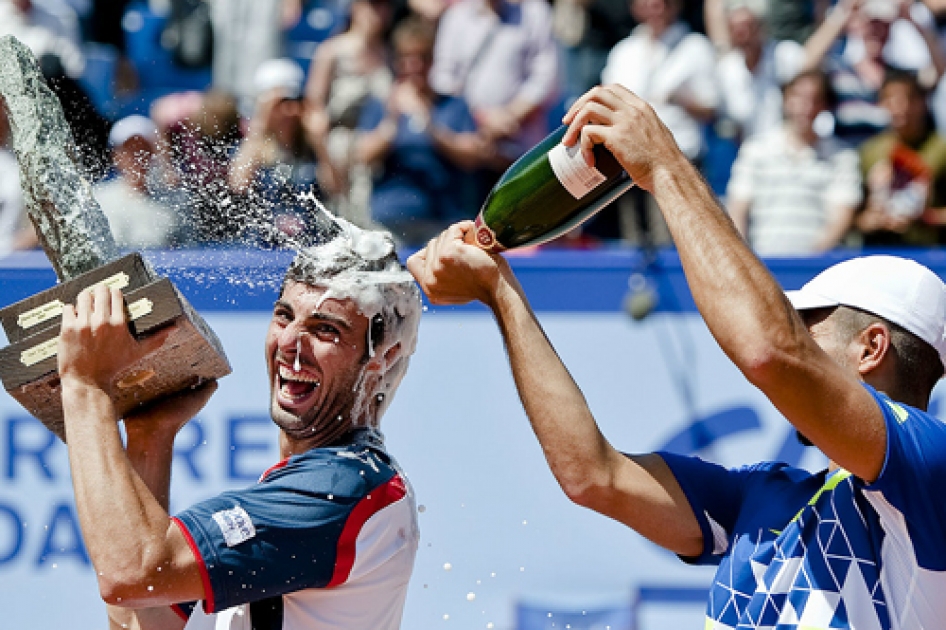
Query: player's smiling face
[315,352]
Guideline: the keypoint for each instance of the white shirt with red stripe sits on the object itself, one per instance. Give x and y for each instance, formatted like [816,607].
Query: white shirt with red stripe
[325,540]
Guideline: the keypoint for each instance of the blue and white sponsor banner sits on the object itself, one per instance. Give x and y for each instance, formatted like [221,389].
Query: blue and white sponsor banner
[495,528]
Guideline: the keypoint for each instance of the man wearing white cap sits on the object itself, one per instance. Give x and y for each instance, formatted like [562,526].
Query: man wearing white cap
[137,215]
[859,545]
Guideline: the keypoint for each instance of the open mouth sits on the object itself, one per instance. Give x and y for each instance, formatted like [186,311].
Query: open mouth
[295,387]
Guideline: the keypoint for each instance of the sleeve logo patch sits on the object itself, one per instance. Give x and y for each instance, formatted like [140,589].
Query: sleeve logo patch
[235,524]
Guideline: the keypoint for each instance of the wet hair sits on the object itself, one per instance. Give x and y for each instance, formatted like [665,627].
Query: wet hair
[375,276]
[918,365]
[362,266]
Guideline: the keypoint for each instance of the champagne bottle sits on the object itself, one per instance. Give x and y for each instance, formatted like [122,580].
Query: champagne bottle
[547,192]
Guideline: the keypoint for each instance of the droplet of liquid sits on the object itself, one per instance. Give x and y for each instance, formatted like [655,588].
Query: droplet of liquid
[421,508]
[446,617]
[470,597]
[447,566]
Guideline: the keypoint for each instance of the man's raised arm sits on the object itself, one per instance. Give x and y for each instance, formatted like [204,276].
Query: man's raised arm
[639,491]
[140,557]
[149,446]
[742,304]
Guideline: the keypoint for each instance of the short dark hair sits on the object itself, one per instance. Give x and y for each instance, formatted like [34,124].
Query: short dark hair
[918,365]
[827,90]
[904,77]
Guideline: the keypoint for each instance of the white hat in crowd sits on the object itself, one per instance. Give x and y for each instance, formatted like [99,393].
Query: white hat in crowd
[131,126]
[758,8]
[899,290]
[883,10]
[283,74]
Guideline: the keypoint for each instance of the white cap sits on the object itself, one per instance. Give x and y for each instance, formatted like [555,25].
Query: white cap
[883,10]
[901,291]
[758,8]
[131,126]
[284,74]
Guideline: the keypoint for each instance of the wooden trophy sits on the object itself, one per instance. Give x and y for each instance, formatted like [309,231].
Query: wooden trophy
[78,242]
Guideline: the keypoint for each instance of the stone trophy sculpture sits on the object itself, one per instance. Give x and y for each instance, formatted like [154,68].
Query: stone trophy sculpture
[77,240]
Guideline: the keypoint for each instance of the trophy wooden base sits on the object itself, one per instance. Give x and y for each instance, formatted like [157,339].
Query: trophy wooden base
[190,355]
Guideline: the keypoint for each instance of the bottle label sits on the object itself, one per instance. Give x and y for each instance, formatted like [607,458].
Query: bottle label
[570,168]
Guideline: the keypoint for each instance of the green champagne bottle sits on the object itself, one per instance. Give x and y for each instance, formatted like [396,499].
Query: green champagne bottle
[547,192]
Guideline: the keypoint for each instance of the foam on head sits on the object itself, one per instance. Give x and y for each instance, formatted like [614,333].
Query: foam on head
[362,266]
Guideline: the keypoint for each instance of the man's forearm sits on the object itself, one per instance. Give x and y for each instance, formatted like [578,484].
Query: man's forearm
[574,447]
[150,454]
[639,491]
[820,42]
[123,525]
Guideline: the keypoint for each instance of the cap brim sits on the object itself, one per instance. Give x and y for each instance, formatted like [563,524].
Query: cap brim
[806,300]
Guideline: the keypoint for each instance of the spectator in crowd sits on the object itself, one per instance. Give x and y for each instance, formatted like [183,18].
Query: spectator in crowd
[792,192]
[246,33]
[587,30]
[752,68]
[857,72]
[15,230]
[274,168]
[138,215]
[346,71]
[500,56]
[905,171]
[46,29]
[673,69]
[425,145]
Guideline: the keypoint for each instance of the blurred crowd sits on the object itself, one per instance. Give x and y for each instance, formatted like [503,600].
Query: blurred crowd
[235,122]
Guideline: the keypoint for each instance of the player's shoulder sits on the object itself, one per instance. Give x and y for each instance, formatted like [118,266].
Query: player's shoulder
[351,469]
[902,413]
